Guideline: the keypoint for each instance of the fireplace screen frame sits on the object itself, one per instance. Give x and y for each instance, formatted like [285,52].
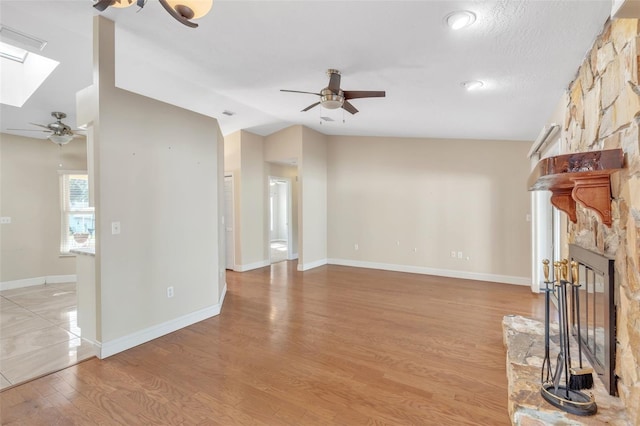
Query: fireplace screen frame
[596,275]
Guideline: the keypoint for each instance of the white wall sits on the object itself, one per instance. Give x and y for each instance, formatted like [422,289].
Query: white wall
[408,203]
[30,196]
[157,173]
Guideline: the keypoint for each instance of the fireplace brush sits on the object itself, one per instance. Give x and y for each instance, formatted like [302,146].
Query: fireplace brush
[558,394]
[581,378]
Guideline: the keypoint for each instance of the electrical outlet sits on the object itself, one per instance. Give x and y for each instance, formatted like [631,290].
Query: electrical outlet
[459,255]
[453,254]
[170,292]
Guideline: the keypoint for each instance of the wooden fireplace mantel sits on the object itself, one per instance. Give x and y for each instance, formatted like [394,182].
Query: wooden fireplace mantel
[583,177]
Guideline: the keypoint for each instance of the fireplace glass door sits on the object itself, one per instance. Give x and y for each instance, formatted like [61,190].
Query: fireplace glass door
[596,311]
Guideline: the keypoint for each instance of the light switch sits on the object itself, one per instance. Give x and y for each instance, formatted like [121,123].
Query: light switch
[115,228]
[5,220]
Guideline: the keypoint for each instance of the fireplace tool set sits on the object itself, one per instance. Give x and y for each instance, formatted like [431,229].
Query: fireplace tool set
[561,388]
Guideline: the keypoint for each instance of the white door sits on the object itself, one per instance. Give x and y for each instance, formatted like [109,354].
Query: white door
[228,221]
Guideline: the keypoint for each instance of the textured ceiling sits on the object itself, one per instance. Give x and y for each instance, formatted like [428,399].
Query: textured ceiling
[526,52]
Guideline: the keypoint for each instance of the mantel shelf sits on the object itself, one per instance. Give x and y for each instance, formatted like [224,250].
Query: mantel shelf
[583,177]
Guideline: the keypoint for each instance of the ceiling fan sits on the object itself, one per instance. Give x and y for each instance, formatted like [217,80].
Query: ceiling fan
[181,10]
[60,133]
[333,97]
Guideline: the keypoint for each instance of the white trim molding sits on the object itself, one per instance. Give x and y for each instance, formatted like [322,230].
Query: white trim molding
[478,276]
[123,343]
[28,282]
[251,266]
[311,265]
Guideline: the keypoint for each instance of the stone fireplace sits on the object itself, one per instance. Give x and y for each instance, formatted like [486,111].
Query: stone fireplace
[603,112]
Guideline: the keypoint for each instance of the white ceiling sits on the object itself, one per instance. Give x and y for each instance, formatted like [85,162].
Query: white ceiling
[526,52]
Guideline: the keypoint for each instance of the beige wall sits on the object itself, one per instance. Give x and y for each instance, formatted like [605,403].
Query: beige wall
[313,200]
[30,195]
[232,166]
[253,196]
[156,172]
[284,145]
[408,203]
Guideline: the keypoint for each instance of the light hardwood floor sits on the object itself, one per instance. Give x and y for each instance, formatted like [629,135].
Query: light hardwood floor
[39,333]
[333,345]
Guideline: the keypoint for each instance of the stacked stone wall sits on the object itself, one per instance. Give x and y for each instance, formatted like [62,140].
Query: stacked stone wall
[603,112]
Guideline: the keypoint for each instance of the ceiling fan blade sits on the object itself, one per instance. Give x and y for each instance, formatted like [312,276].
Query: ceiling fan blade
[334,82]
[310,106]
[102,5]
[298,91]
[349,108]
[356,94]
[32,130]
[40,125]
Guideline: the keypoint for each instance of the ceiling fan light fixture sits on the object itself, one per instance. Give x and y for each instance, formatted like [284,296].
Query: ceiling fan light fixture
[60,139]
[330,100]
[191,9]
[460,19]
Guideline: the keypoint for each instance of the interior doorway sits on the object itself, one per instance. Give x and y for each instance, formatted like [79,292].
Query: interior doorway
[280,226]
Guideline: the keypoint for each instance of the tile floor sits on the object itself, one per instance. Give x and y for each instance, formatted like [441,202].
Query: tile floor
[39,333]
[278,251]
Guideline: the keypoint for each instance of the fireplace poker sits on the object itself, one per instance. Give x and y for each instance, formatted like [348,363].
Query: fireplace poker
[545,375]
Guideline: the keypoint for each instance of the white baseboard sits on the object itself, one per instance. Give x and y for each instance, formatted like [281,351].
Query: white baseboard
[28,282]
[143,336]
[478,276]
[311,265]
[294,256]
[96,346]
[251,266]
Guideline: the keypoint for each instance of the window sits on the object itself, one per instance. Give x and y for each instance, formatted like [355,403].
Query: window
[78,220]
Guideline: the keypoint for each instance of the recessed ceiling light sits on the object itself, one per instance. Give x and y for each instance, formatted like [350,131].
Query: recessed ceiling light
[460,19]
[472,85]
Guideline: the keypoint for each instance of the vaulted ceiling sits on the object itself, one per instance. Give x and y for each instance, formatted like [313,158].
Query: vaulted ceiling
[244,52]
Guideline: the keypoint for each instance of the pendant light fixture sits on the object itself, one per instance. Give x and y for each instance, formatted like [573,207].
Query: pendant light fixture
[182,10]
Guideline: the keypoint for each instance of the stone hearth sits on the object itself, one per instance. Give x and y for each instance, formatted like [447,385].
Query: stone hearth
[524,342]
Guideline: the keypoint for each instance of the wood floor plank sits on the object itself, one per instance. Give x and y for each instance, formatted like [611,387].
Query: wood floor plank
[329,346]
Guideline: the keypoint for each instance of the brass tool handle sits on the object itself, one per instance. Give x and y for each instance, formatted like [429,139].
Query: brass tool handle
[565,269]
[574,274]
[545,268]
[556,271]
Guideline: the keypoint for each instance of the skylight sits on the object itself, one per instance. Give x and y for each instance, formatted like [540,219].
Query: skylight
[19,80]
[21,70]
[12,52]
